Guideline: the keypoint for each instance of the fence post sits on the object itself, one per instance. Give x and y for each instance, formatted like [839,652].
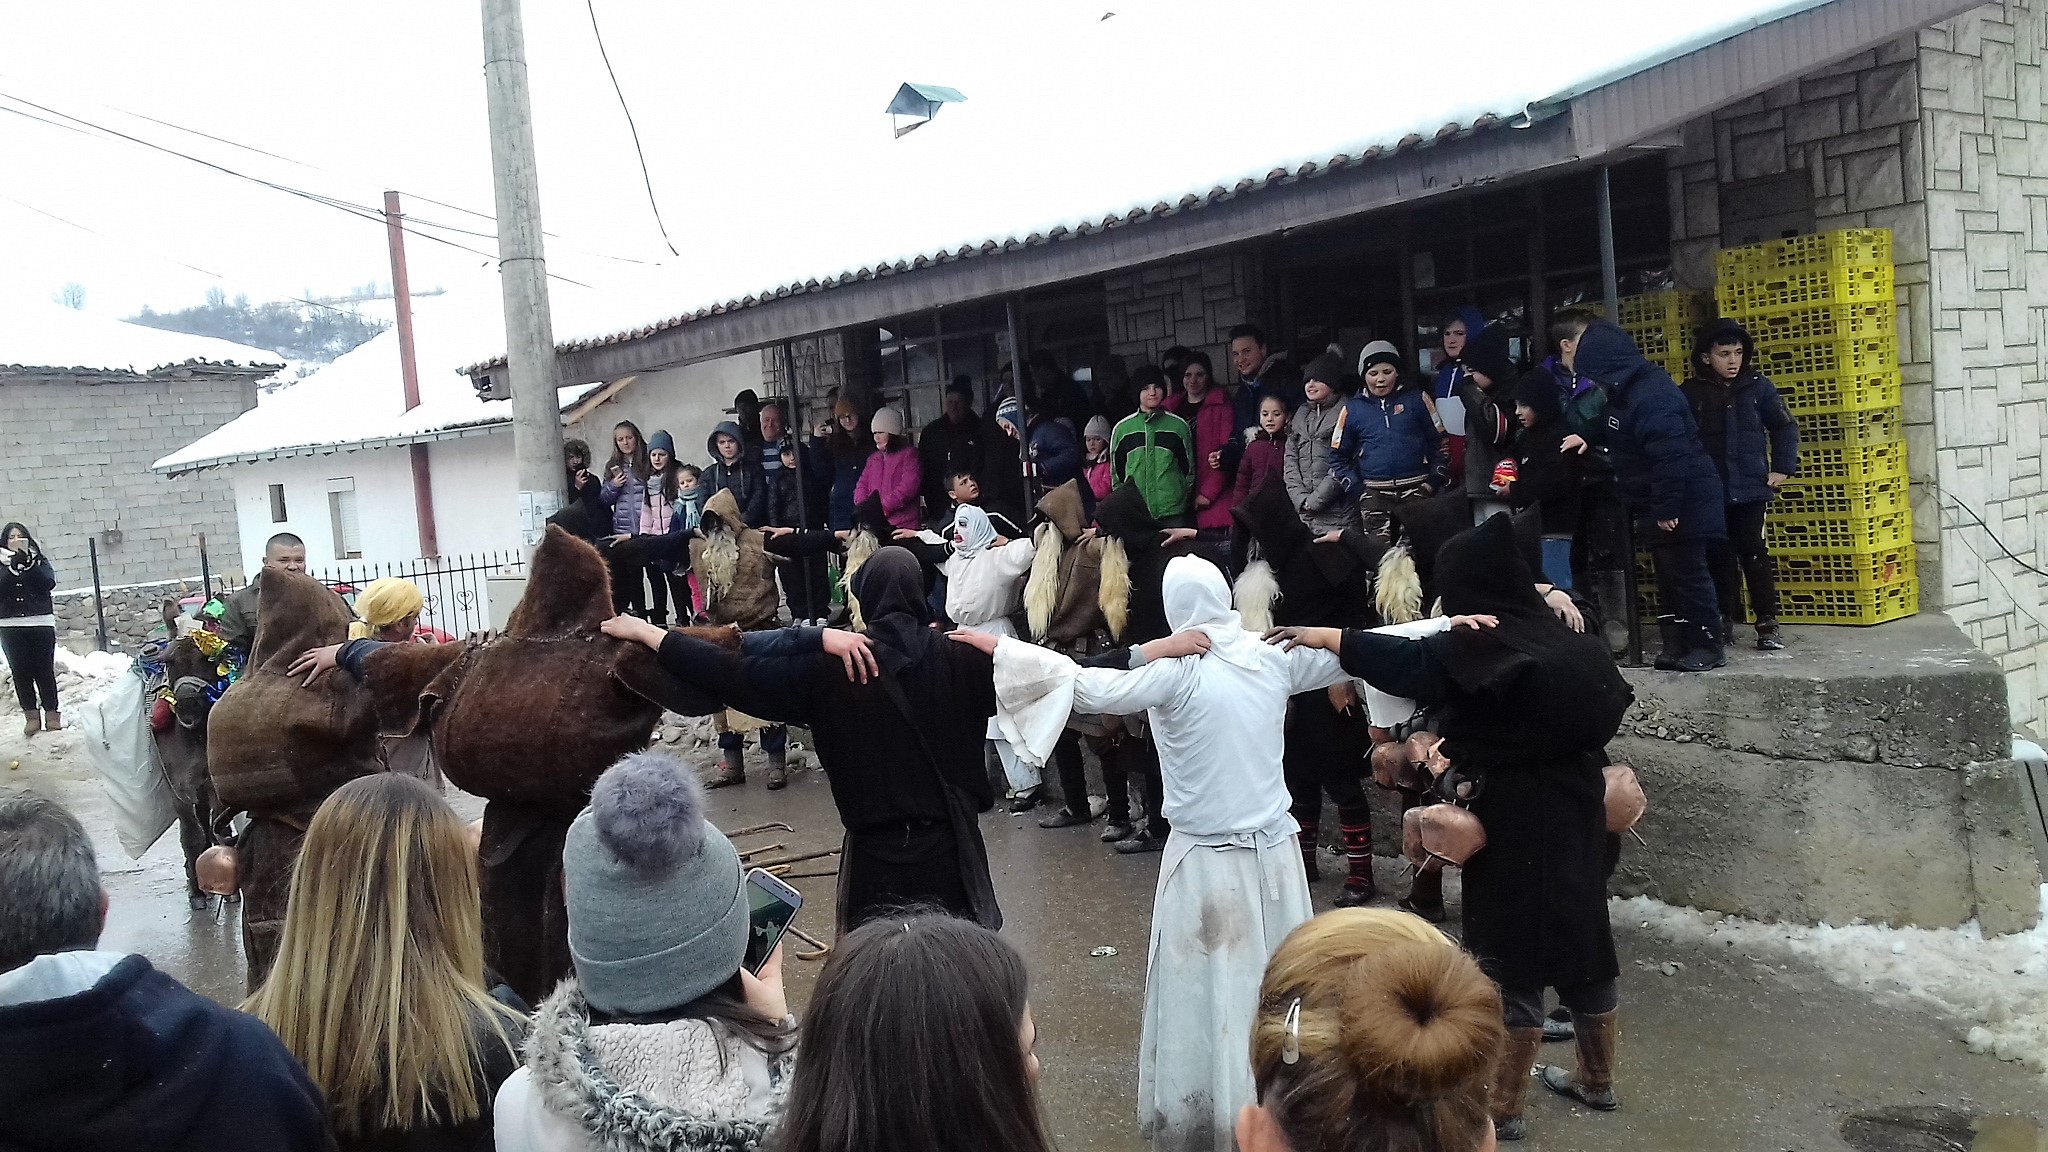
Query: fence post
[205,574]
[99,611]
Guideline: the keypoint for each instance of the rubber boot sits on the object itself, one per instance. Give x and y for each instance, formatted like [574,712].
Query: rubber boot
[1769,637]
[53,720]
[1510,1095]
[1703,652]
[1557,1027]
[1426,896]
[1670,630]
[777,771]
[33,724]
[1593,1084]
[734,770]
[1354,828]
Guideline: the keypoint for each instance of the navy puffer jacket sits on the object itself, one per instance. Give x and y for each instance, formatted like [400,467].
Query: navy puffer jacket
[1744,424]
[1664,471]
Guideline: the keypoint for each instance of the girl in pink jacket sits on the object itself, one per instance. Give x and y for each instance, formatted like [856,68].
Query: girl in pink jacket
[892,472]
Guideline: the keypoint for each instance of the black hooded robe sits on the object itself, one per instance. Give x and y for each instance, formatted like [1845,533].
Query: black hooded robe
[907,786]
[1529,708]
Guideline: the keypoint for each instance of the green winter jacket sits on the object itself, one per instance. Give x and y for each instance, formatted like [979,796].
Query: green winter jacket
[1155,451]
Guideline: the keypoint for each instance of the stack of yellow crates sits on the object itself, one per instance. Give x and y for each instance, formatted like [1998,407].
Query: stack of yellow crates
[1662,325]
[1821,311]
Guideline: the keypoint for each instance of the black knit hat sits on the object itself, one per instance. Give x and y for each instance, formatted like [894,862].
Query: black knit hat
[1488,355]
[1329,368]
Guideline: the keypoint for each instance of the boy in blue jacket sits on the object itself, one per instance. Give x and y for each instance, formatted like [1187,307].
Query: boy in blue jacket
[1754,441]
[1386,448]
[1670,486]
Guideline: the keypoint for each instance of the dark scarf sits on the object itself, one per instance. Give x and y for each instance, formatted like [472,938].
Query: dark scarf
[890,589]
[1569,690]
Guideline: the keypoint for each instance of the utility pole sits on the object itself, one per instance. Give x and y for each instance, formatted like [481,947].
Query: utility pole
[409,372]
[523,270]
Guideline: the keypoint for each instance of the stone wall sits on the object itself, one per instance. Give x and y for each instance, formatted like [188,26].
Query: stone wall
[824,365]
[1986,157]
[132,613]
[1939,137]
[74,463]
[1193,302]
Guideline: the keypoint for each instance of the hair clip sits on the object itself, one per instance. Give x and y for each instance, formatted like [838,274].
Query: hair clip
[1290,1052]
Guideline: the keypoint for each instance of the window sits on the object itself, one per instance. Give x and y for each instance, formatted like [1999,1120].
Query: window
[341,512]
[277,512]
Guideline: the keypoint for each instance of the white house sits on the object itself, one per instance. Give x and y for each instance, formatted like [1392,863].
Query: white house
[339,461]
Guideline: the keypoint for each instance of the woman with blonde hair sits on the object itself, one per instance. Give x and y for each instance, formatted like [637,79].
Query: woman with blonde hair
[378,986]
[1373,1031]
[387,610]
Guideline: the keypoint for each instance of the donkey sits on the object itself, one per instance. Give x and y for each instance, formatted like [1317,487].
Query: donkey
[194,679]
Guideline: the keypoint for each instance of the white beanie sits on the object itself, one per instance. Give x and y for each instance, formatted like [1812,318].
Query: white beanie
[887,420]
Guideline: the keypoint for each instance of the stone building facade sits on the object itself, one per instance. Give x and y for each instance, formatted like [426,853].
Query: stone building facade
[1193,303]
[1941,138]
[77,453]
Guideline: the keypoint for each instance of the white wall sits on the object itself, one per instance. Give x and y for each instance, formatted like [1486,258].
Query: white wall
[474,502]
[687,402]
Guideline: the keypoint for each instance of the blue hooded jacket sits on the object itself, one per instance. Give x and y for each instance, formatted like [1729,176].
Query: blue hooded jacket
[1743,422]
[1653,443]
[1451,372]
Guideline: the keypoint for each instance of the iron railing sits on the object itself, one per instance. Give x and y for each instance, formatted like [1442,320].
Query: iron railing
[452,587]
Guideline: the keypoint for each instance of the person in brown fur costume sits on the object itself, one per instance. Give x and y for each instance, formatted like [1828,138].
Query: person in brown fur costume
[528,720]
[1078,602]
[276,750]
[736,569]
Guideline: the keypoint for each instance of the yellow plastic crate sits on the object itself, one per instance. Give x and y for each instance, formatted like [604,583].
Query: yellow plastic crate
[1857,462]
[1849,392]
[1841,248]
[1871,282]
[1794,532]
[1864,498]
[1794,361]
[1875,426]
[1881,568]
[1673,311]
[1849,605]
[1837,320]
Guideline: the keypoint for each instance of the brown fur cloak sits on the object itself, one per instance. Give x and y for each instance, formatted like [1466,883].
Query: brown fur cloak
[276,748]
[529,720]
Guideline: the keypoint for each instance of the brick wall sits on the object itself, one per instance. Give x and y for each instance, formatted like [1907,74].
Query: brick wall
[1192,302]
[76,463]
[1986,159]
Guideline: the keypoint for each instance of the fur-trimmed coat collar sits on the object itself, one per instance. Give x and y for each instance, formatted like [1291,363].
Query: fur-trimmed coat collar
[681,1086]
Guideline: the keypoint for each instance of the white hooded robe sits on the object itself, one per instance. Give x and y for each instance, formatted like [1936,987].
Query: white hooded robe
[1231,883]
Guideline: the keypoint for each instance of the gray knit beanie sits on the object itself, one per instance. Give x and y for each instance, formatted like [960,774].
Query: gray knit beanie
[657,916]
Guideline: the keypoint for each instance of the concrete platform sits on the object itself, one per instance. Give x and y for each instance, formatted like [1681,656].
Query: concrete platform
[1860,773]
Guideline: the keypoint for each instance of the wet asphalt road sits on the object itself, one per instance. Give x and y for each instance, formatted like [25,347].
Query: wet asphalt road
[1729,1055]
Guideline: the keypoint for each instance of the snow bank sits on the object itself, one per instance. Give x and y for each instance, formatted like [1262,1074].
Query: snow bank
[1998,988]
[43,335]
[79,678]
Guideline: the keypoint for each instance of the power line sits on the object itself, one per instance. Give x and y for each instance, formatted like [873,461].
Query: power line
[645,177]
[364,212]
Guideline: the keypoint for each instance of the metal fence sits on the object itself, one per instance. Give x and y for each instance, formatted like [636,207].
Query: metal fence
[456,601]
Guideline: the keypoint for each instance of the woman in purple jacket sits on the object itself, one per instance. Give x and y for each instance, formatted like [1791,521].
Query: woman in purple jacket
[892,472]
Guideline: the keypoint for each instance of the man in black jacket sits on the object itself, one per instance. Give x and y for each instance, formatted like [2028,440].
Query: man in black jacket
[949,445]
[101,1052]
[1670,486]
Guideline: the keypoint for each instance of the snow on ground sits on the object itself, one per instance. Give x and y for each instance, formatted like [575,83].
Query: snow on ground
[79,678]
[1996,988]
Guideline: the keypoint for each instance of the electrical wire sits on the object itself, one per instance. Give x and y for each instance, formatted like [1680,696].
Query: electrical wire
[365,212]
[1966,510]
[646,177]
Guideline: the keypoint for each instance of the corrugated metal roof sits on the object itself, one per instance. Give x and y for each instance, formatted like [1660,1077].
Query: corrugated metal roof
[1455,122]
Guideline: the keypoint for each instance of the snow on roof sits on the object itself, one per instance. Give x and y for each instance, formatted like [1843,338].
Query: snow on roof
[358,401]
[1109,130]
[39,335]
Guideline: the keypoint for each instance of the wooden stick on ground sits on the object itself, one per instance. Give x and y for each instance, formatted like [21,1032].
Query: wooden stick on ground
[798,858]
[771,826]
[752,852]
[820,949]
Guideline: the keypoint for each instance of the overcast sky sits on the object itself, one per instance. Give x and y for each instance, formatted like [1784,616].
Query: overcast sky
[762,122]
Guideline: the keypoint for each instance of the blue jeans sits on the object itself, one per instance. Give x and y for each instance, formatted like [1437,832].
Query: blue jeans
[773,739]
